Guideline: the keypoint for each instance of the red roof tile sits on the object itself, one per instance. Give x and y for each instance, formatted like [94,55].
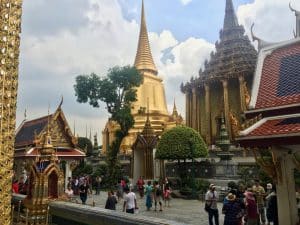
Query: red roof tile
[280,78]
[283,126]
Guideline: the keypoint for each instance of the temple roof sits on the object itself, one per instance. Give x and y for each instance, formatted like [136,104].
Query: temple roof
[230,20]
[234,55]
[29,133]
[28,129]
[277,78]
[143,59]
[275,91]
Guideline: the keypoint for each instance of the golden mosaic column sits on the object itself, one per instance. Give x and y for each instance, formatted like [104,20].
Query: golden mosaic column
[10,28]
[208,114]
[187,108]
[194,109]
[226,107]
[242,93]
[198,113]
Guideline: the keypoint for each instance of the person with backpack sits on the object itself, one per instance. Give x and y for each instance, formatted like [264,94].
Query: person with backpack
[157,195]
[232,210]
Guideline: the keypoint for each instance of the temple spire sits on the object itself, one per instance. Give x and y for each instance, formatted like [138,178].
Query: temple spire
[148,130]
[230,19]
[174,113]
[143,59]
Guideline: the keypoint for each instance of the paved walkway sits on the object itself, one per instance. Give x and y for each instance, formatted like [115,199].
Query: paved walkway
[180,210]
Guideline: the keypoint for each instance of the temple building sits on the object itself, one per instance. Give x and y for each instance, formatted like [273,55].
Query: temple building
[273,119]
[150,97]
[30,139]
[222,87]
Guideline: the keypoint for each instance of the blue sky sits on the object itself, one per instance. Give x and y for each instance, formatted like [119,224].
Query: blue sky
[199,18]
[64,38]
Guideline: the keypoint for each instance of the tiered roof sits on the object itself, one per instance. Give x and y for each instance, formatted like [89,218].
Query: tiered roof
[234,54]
[275,97]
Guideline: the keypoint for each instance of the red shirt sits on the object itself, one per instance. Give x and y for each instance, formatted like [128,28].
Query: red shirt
[15,187]
[251,209]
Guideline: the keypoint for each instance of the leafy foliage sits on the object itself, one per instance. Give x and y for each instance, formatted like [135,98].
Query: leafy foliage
[86,145]
[118,91]
[179,143]
[83,169]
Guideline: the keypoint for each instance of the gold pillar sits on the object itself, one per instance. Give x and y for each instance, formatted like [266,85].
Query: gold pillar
[242,93]
[10,21]
[187,108]
[208,114]
[194,109]
[226,107]
[198,113]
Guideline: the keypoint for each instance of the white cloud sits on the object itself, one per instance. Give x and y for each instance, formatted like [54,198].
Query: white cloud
[185,2]
[273,19]
[51,61]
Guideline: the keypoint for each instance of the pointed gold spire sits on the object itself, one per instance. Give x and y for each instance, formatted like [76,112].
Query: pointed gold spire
[143,59]
[174,113]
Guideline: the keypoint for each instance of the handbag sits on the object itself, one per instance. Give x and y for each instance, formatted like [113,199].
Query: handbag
[207,207]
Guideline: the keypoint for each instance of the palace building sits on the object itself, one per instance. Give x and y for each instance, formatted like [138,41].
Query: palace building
[222,87]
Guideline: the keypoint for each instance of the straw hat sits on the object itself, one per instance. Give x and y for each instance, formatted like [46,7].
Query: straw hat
[230,197]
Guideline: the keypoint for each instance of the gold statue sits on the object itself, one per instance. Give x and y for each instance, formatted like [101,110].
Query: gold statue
[247,95]
[235,125]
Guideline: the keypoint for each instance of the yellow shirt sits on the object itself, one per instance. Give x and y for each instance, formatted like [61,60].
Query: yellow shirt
[259,192]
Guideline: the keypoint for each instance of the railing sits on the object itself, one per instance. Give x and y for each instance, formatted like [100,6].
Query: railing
[61,213]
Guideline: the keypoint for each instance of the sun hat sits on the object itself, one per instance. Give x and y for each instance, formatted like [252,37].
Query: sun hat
[230,197]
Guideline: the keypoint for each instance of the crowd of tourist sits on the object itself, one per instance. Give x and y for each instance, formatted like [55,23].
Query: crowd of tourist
[244,206]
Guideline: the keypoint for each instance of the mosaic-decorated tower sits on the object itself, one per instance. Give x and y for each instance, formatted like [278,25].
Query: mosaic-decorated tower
[222,88]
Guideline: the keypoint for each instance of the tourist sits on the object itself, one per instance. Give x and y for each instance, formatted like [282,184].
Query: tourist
[119,190]
[148,191]
[97,185]
[129,201]
[260,194]
[84,190]
[111,201]
[252,215]
[69,192]
[15,187]
[157,195]
[167,195]
[140,185]
[272,214]
[232,210]
[22,185]
[211,199]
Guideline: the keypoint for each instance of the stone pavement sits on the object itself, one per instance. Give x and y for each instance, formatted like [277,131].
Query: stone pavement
[180,210]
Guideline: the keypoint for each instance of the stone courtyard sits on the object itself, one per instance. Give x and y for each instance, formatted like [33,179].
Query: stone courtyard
[180,210]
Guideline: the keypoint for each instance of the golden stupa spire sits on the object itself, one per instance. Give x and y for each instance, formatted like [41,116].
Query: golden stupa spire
[143,59]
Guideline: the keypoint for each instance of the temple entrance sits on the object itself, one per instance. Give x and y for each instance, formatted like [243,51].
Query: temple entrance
[138,164]
[52,185]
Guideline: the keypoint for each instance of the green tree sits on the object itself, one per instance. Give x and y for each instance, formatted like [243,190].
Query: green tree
[181,143]
[118,91]
[86,145]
